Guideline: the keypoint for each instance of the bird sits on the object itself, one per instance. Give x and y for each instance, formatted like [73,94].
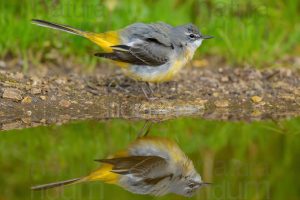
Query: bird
[151,53]
[150,165]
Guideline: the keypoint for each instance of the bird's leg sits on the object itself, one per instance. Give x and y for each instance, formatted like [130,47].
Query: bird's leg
[158,88]
[108,87]
[148,128]
[122,88]
[140,134]
[145,93]
[145,130]
[112,84]
[149,94]
[150,89]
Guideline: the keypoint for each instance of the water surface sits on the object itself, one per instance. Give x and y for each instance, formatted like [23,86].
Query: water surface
[256,160]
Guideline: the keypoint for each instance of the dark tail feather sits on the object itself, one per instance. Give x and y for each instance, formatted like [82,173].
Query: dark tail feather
[57,26]
[57,184]
[112,56]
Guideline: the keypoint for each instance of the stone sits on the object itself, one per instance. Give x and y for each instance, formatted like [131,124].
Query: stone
[28,112]
[27,100]
[287,97]
[12,125]
[225,79]
[53,98]
[43,98]
[256,99]
[221,103]
[36,90]
[2,64]
[12,93]
[65,103]
[26,120]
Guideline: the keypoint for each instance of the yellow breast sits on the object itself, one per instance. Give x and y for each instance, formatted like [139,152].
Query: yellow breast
[160,76]
[169,75]
[174,69]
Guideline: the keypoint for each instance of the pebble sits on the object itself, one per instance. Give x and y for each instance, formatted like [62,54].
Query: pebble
[297,101]
[256,113]
[26,120]
[43,98]
[18,76]
[256,99]
[64,117]
[74,102]
[225,79]
[221,103]
[2,64]
[36,90]
[65,103]
[53,98]
[12,125]
[297,91]
[35,80]
[287,97]
[29,113]
[27,100]
[61,81]
[12,93]
[215,94]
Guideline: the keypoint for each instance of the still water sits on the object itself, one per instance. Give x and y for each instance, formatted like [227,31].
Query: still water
[258,160]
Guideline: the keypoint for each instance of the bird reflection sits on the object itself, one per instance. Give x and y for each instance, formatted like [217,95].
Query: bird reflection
[149,165]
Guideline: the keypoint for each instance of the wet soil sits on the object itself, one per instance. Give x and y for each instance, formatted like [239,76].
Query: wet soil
[57,93]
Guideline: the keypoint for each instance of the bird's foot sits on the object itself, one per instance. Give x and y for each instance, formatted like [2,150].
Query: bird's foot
[149,94]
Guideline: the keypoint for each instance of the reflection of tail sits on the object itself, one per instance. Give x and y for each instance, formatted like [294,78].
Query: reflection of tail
[103,174]
[57,184]
[104,40]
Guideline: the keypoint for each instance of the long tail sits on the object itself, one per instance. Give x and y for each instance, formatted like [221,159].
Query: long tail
[58,184]
[103,174]
[104,40]
[58,27]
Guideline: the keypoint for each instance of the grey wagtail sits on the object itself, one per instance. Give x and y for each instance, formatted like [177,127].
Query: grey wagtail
[150,165]
[146,52]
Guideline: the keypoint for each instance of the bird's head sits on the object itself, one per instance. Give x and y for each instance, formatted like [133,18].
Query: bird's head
[189,182]
[190,36]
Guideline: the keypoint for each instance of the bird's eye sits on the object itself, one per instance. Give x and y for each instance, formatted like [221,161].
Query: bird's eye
[192,36]
[191,185]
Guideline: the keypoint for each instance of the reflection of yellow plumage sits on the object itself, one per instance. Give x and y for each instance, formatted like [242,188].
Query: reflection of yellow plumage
[150,165]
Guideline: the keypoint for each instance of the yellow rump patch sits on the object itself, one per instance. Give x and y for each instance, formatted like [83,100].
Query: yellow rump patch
[104,40]
[104,174]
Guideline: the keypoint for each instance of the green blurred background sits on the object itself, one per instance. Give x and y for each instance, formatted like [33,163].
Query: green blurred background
[252,32]
[244,160]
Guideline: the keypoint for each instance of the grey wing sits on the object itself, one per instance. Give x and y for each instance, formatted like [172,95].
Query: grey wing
[151,168]
[149,52]
[150,45]
[159,31]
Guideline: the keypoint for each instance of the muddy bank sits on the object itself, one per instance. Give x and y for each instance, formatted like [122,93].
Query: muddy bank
[56,95]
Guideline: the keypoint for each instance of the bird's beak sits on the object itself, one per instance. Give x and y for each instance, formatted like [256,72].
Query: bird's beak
[202,183]
[205,184]
[204,37]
